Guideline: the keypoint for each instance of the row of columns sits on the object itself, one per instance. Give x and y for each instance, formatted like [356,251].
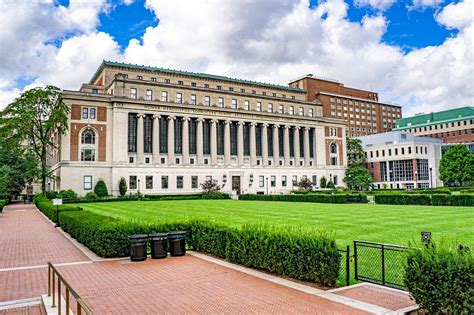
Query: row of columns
[227,147]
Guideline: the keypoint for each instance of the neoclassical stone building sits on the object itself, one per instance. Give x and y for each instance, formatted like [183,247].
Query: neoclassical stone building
[167,131]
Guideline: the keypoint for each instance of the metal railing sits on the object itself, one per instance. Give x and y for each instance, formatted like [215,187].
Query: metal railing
[345,271]
[55,278]
[380,263]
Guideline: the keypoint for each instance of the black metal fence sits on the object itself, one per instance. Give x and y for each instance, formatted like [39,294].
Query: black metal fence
[380,263]
[345,269]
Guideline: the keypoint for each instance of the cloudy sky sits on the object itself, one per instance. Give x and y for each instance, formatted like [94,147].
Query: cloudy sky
[416,53]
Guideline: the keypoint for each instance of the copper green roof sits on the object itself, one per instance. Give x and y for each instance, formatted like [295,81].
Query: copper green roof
[445,116]
[106,63]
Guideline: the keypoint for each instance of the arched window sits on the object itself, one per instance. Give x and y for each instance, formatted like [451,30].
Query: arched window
[88,145]
[333,148]
[333,153]
[88,137]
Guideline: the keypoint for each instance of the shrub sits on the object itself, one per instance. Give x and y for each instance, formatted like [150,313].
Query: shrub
[3,203]
[215,195]
[67,194]
[101,189]
[453,200]
[51,194]
[320,198]
[122,186]
[174,197]
[296,252]
[305,184]
[323,182]
[210,186]
[440,279]
[91,194]
[51,211]
[357,198]
[403,199]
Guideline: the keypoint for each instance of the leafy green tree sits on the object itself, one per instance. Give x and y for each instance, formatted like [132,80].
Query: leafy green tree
[100,189]
[122,186]
[37,119]
[210,186]
[323,182]
[356,176]
[305,184]
[18,169]
[457,166]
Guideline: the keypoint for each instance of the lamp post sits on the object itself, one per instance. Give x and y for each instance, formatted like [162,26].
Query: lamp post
[49,186]
[416,179]
[330,180]
[266,179]
[138,186]
[431,176]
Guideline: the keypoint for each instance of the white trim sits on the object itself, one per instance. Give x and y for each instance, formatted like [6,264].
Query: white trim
[6,305]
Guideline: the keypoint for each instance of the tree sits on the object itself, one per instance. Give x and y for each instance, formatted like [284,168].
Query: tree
[457,166]
[122,186]
[18,169]
[100,189]
[37,119]
[358,177]
[305,184]
[210,186]
[323,182]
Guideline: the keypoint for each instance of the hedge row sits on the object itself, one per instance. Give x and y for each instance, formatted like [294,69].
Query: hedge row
[320,198]
[46,206]
[3,203]
[428,200]
[296,252]
[215,195]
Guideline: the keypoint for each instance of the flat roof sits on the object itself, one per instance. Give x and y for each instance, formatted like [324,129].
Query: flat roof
[358,99]
[445,116]
[394,137]
[106,63]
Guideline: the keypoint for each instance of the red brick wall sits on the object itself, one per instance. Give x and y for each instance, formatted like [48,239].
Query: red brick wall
[313,86]
[75,112]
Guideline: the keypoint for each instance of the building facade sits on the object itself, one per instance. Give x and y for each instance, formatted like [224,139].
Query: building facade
[360,109]
[454,126]
[401,160]
[167,131]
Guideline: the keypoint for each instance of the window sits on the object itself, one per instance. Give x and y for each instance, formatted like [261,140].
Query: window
[149,95]
[133,93]
[261,181]
[92,113]
[149,182]
[131,159]
[153,79]
[311,113]
[180,82]
[231,88]
[132,132]
[95,91]
[164,182]
[179,182]
[259,106]
[283,180]
[88,137]
[193,99]
[314,180]
[333,153]
[179,98]
[270,108]
[85,113]
[139,77]
[219,87]
[87,182]
[294,180]
[234,104]
[291,110]
[88,145]
[167,81]
[242,90]
[207,100]
[333,132]
[132,182]
[221,102]
[301,111]
[246,105]
[208,178]
[193,83]
[281,109]
[164,96]
[194,182]
[273,181]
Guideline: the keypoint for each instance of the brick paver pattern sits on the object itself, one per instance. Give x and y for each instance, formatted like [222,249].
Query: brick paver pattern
[188,285]
[379,296]
[26,310]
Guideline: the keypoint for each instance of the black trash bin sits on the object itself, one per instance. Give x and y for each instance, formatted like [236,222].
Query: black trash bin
[137,247]
[159,245]
[177,242]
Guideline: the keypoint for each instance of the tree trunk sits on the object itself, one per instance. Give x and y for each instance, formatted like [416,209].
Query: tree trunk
[44,170]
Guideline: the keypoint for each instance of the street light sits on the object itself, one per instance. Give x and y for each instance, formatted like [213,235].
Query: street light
[416,179]
[431,176]
[266,178]
[138,186]
[330,180]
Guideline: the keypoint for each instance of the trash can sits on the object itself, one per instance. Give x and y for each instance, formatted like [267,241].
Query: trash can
[137,247]
[159,245]
[177,241]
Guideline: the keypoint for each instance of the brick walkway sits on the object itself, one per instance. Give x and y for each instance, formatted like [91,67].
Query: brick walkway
[27,310]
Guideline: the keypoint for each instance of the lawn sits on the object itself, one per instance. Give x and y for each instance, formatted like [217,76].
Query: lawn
[377,223]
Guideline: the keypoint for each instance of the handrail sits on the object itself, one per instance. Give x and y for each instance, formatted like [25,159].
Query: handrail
[80,304]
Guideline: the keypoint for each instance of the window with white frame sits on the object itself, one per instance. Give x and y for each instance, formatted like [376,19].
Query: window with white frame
[333,132]
[88,142]
[179,98]
[259,106]
[133,93]
[92,113]
[261,181]
[193,99]
[234,104]
[311,112]
[87,182]
[85,112]
[270,108]
[221,102]
[149,95]
[301,111]
[164,96]
[207,100]
[246,105]
[333,153]
[281,109]
[291,110]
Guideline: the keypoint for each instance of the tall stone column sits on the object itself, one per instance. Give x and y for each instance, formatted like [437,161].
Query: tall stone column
[296,143]
[140,147]
[253,145]
[156,139]
[240,142]
[265,144]
[199,142]
[171,158]
[276,143]
[315,145]
[306,146]
[286,144]
[185,138]
[227,142]
[214,142]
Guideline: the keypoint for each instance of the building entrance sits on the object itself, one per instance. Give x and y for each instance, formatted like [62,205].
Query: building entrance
[236,184]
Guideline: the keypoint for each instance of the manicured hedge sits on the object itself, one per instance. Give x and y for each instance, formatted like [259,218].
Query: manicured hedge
[46,206]
[98,199]
[435,200]
[440,279]
[296,252]
[320,198]
[3,203]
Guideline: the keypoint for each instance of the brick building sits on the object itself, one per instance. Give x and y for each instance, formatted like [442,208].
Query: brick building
[360,109]
[399,159]
[453,126]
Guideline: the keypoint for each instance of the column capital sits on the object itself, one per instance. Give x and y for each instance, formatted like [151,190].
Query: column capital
[227,122]
[253,124]
[265,125]
[185,118]
[297,127]
[240,123]
[286,126]
[276,126]
[200,119]
[307,128]
[214,121]
[171,118]
[140,115]
[156,116]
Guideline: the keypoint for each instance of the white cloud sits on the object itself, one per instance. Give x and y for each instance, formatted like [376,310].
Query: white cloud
[459,15]
[423,4]
[380,5]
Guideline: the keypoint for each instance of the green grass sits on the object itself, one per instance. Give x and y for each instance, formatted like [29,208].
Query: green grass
[392,224]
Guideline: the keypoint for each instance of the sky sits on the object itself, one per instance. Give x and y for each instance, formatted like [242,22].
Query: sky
[415,53]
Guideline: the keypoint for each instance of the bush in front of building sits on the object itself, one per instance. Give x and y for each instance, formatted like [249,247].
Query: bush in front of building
[453,200]
[67,194]
[100,189]
[439,278]
[3,203]
[215,195]
[320,198]
[402,199]
[122,186]
[296,252]
[51,211]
